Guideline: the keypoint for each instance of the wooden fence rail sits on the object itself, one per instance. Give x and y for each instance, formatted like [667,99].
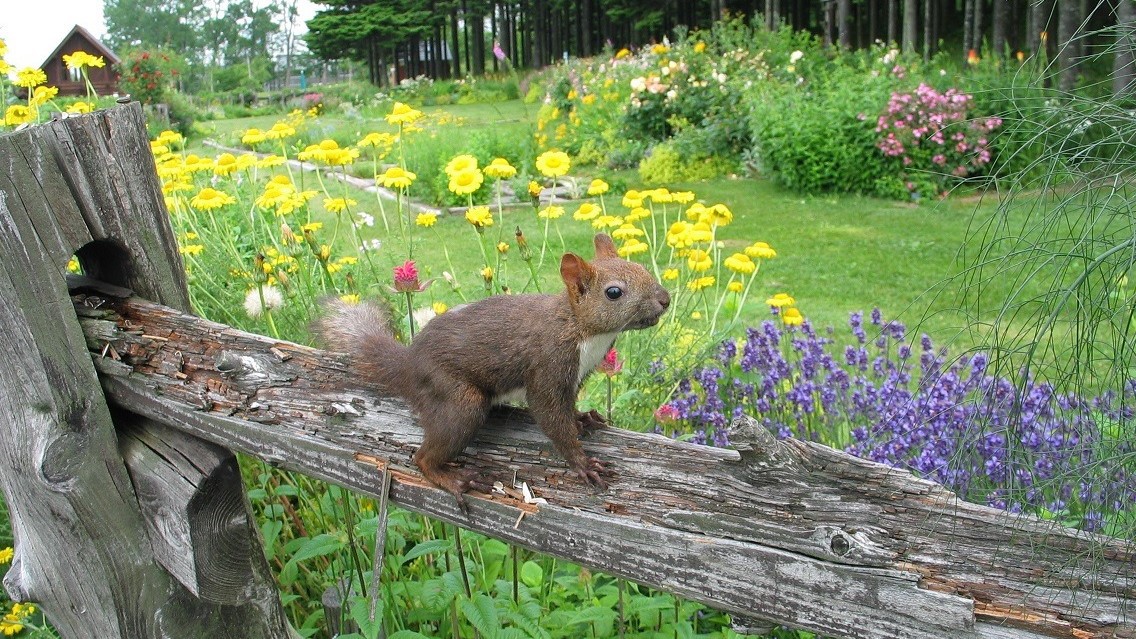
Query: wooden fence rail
[787,531]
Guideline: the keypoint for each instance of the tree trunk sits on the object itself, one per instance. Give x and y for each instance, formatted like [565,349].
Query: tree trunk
[1068,52]
[893,22]
[967,29]
[998,35]
[979,14]
[477,35]
[910,25]
[844,23]
[928,29]
[455,41]
[1124,64]
[1040,19]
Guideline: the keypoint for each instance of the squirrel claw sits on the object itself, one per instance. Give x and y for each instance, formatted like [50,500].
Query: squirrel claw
[589,421]
[591,473]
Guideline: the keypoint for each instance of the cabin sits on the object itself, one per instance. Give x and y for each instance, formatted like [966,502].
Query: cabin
[70,82]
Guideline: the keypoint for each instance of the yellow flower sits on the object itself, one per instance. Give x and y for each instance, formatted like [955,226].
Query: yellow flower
[226,164]
[607,222]
[589,99]
[253,136]
[209,198]
[6,554]
[487,274]
[534,189]
[700,283]
[466,182]
[553,163]
[720,215]
[426,220]
[700,233]
[460,164]
[18,114]
[80,59]
[73,266]
[245,161]
[638,213]
[338,204]
[191,249]
[698,212]
[660,195]
[376,140]
[627,232]
[683,197]
[439,307]
[194,163]
[311,227]
[350,298]
[735,287]
[29,77]
[792,317]
[696,315]
[500,168]
[699,260]
[550,212]
[270,161]
[740,263]
[80,107]
[403,114]
[678,235]
[632,199]
[170,138]
[670,274]
[632,246]
[479,216]
[41,95]
[279,131]
[502,247]
[660,49]
[760,250]
[622,53]
[781,300]
[699,47]
[397,177]
[586,212]
[598,187]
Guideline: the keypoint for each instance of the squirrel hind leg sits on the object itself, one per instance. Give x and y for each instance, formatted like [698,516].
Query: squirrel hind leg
[449,425]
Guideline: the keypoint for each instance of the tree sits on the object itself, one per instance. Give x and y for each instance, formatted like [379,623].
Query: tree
[910,24]
[1124,64]
[171,24]
[1069,51]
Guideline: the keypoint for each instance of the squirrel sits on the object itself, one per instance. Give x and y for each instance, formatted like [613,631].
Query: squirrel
[535,347]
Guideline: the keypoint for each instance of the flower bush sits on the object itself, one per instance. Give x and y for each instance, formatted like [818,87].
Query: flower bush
[933,137]
[884,396]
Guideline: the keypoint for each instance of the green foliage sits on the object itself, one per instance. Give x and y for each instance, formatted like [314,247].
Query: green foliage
[149,75]
[664,164]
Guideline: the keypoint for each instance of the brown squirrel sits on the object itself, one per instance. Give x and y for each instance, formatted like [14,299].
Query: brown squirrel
[500,349]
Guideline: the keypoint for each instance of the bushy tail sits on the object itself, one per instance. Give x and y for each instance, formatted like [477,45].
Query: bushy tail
[361,331]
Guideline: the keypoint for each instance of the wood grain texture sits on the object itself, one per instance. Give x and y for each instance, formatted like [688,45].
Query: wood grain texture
[786,531]
[84,550]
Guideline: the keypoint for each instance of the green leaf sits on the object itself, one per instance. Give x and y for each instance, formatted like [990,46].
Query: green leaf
[433,595]
[481,613]
[428,548]
[407,634]
[532,574]
[318,546]
[361,615]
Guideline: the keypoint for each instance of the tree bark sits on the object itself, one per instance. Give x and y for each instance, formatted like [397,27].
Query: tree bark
[998,37]
[1069,49]
[788,531]
[1040,19]
[1124,64]
[910,25]
[967,29]
[844,23]
[893,21]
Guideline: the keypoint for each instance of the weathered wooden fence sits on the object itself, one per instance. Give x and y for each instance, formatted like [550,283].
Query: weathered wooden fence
[121,407]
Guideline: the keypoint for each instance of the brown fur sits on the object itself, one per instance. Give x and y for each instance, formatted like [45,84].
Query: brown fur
[463,359]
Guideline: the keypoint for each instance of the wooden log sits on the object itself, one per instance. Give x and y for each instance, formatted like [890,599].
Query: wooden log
[87,185]
[787,531]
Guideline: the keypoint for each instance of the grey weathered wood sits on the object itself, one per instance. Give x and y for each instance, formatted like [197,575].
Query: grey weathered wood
[83,551]
[787,531]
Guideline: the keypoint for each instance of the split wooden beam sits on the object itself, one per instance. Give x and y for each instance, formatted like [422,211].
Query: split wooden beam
[786,531]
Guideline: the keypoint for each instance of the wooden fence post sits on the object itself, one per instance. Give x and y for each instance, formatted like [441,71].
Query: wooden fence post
[122,528]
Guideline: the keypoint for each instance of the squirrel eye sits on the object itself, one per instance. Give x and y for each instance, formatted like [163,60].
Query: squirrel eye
[613,292]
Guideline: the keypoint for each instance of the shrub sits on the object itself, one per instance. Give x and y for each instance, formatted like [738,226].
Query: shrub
[664,164]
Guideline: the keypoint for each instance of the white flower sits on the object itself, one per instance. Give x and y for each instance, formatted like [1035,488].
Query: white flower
[672,94]
[639,84]
[665,70]
[422,316]
[796,56]
[272,300]
[365,219]
[371,245]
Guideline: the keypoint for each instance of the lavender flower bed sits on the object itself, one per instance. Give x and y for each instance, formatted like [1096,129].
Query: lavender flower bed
[1015,445]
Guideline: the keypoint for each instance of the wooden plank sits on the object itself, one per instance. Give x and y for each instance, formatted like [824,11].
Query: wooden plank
[787,531]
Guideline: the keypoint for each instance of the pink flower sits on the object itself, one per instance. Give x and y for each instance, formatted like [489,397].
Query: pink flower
[498,52]
[939,159]
[666,414]
[406,278]
[610,364]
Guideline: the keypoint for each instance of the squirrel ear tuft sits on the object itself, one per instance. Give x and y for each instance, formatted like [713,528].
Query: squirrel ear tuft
[605,247]
[577,274]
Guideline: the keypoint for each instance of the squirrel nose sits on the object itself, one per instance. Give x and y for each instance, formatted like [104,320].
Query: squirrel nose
[664,298]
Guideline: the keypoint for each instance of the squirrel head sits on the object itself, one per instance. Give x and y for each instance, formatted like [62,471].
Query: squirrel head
[610,294]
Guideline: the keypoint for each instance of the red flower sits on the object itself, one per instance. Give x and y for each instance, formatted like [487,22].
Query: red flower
[610,365]
[406,279]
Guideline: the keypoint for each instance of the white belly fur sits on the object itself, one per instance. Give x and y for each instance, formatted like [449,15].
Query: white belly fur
[592,350]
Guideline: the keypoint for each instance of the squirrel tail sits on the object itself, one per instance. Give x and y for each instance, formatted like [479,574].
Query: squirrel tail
[361,330]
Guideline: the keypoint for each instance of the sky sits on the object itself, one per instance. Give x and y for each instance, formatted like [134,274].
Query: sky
[33,28]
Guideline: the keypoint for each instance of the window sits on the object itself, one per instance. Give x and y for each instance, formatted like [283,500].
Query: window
[75,74]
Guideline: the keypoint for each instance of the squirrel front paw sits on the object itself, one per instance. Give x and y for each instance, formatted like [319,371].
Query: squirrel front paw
[589,422]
